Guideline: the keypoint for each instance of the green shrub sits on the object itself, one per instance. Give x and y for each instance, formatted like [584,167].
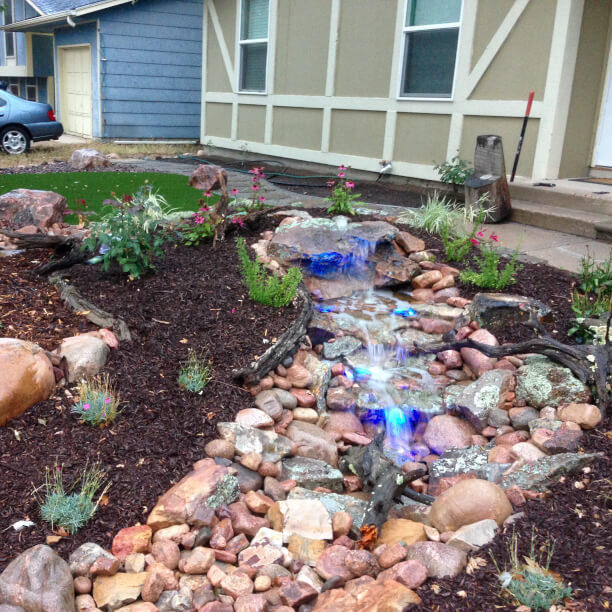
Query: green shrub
[195,374]
[71,509]
[98,403]
[263,286]
[490,276]
[454,171]
[133,232]
[342,197]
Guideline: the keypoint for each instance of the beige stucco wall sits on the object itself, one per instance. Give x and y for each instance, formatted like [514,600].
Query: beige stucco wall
[421,139]
[251,122]
[357,133]
[509,128]
[216,74]
[587,89]
[489,17]
[365,47]
[297,127]
[301,48]
[521,64]
[218,119]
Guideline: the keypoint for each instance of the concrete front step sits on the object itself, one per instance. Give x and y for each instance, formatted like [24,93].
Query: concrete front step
[600,172]
[561,219]
[577,196]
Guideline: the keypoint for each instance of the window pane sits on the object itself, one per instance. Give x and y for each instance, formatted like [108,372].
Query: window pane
[9,38]
[253,71]
[31,92]
[430,12]
[254,19]
[429,63]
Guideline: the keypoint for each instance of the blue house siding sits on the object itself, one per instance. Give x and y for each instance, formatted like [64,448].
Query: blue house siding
[151,75]
[81,34]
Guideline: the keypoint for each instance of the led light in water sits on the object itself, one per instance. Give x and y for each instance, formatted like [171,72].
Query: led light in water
[326,307]
[405,312]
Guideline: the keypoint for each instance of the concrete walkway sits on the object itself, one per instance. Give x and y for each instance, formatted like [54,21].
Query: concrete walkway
[535,244]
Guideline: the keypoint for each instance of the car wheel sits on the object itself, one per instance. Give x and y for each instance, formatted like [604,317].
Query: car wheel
[15,140]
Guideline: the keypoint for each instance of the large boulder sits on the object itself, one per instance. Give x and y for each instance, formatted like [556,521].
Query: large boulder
[34,207]
[38,580]
[312,441]
[88,159]
[206,177]
[26,377]
[467,502]
[85,355]
[497,311]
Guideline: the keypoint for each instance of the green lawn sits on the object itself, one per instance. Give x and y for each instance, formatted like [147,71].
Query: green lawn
[95,187]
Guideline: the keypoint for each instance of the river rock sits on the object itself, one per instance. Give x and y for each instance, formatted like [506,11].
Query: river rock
[312,473]
[252,417]
[478,362]
[182,502]
[340,400]
[26,377]
[344,345]
[38,580]
[444,432]
[85,356]
[467,502]
[271,446]
[270,403]
[441,560]
[312,441]
[343,422]
[474,536]
[410,243]
[586,415]
[136,539]
[541,382]
[22,207]
[332,563]
[408,532]
[303,517]
[483,395]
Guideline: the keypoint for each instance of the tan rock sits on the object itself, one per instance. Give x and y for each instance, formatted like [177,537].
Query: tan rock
[305,517]
[258,502]
[526,451]
[312,441]
[136,539]
[308,415]
[585,415]
[196,561]
[174,533]
[237,585]
[444,283]
[410,243]
[401,530]
[427,279]
[306,549]
[341,523]
[112,592]
[220,448]
[467,502]
[26,377]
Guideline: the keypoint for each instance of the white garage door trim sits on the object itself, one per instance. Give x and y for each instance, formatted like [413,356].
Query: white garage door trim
[80,121]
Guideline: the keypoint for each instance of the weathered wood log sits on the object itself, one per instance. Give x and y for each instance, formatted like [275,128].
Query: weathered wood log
[96,315]
[287,344]
[38,241]
[219,215]
[590,363]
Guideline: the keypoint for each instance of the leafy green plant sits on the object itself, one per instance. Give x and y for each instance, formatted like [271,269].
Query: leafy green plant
[263,286]
[596,277]
[342,197]
[131,234]
[457,248]
[98,402]
[70,508]
[195,373]
[153,208]
[532,583]
[198,228]
[455,171]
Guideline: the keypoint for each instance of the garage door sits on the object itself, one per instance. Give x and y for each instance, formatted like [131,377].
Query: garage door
[75,90]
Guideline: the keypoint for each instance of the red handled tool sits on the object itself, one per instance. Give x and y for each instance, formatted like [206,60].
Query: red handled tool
[522,136]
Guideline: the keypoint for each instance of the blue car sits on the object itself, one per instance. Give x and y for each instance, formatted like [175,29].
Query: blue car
[22,122]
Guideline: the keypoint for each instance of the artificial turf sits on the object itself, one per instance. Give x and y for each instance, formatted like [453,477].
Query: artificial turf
[95,187]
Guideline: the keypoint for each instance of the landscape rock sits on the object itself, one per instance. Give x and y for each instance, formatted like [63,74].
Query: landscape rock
[294,593]
[478,362]
[261,555]
[205,177]
[411,574]
[474,536]
[136,539]
[587,416]
[441,560]
[271,446]
[26,377]
[312,473]
[304,517]
[410,243]
[220,448]
[332,563]
[444,432]
[270,403]
[112,592]
[22,207]
[362,563]
[306,549]
[333,502]
[340,399]
[38,580]
[83,557]
[312,441]
[404,531]
[497,311]
[88,159]
[252,417]
[345,345]
[85,356]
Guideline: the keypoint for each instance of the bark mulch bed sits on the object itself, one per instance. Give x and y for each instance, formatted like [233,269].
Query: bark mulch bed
[195,301]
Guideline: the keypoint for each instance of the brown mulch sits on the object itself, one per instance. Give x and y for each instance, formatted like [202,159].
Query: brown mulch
[196,300]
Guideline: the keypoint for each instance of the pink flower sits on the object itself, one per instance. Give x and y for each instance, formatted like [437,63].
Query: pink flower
[494,237]
[107,400]
[261,199]
[204,208]
[255,187]
[208,194]
[481,234]
[342,168]
[235,191]
[341,174]
[85,406]
[59,467]
[238,220]
[331,183]
[474,241]
[198,219]
[233,311]
[350,184]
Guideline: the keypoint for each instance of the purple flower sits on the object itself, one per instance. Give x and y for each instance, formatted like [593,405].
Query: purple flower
[107,400]
[85,406]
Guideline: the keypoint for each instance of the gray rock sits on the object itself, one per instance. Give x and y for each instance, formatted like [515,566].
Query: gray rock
[441,560]
[335,503]
[39,580]
[345,345]
[248,480]
[227,491]
[551,424]
[174,601]
[495,311]
[522,420]
[271,446]
[541,382]
[498,417]
[85,356]
[269,402]
[538,476]
[311,473]
[287,399]
[9,608]
[459,461]
[484,395]
[83,557]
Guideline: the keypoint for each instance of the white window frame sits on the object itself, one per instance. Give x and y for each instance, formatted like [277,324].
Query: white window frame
[435,26]
[35,86]
[240,43]
[11,34]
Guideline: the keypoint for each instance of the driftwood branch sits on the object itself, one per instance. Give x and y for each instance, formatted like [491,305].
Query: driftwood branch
[219,215]
[96,315]
[285,346]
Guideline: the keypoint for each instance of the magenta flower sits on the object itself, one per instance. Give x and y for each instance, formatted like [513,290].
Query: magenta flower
[59,467]
[350,184]
[481,234]
[474,241]
[233,311]
[235,191]
[342,168]
[107,400]
[331,183]
[261,199]
[198,219]
[85,406]
[255,187]
[204,208]
[341,174]
[494,237]
[208,194]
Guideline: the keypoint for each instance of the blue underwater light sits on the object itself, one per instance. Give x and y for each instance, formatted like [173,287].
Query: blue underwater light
[405,312]
[326,307]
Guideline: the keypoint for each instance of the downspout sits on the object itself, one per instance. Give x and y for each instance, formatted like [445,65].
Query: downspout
[70,21]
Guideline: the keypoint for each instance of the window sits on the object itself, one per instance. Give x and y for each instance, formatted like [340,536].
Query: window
[431,33]
[253,45]
[14,87]
[31,90]
[9,37]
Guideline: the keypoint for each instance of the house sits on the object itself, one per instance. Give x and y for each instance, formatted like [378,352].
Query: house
[411,81]
[26,59]
[124,69]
